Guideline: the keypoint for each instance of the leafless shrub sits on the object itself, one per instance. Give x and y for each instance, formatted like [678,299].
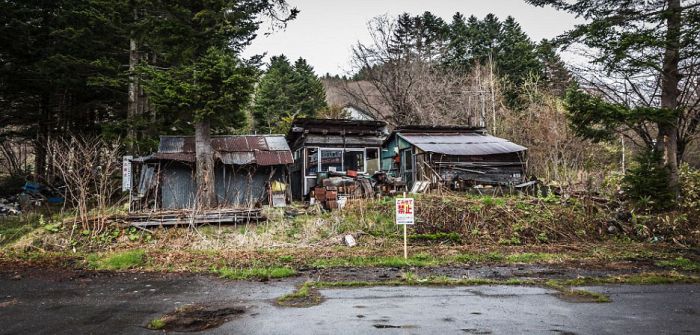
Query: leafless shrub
[89,167]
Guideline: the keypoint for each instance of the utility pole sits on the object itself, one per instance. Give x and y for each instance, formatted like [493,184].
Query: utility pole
[493,96]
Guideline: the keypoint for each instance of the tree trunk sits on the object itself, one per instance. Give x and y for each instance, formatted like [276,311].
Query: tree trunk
[42,139]
[132,110]
[667,139]
[205,165]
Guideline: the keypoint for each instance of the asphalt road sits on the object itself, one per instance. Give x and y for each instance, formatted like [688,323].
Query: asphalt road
[124,303]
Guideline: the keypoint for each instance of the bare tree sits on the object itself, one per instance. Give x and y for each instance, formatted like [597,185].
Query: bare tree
[411,88]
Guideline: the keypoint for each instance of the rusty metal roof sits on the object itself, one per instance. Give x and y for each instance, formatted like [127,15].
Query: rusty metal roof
[230,149]
[462,144]
[273,157]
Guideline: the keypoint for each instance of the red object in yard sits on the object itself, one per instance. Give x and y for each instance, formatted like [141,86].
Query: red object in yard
[351,173]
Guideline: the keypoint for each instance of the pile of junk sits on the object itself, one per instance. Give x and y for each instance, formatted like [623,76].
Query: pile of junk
[32,195]
[333,189]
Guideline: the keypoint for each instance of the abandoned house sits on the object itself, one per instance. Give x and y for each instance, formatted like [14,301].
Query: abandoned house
[323,146]
[246,167]
[457,157]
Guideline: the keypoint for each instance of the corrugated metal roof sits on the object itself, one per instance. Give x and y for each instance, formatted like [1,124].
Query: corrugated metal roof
[230,149]
[462,144]
[265,158]
[176,144]
[276,143]
[239,143]
[236,158]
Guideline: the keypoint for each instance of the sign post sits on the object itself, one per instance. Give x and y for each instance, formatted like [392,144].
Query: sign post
[126,173]
[405,210]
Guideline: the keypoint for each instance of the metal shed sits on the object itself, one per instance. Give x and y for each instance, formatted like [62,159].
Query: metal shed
[455,156]
[245,167]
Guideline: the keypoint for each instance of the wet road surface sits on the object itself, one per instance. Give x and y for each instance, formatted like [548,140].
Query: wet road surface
[125,303]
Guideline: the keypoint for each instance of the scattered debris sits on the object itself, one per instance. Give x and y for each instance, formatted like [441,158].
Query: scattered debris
[349,240]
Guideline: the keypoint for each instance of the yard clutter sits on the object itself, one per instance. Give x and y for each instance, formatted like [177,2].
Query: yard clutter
[334,189]
[9,208]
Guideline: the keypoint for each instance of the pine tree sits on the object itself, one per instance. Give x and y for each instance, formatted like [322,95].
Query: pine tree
[286,92]
[308,91]
[652,46]
[273,97]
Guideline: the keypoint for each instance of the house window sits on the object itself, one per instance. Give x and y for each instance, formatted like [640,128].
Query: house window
[331,160]
[311,161]
[372,156]
[354,160]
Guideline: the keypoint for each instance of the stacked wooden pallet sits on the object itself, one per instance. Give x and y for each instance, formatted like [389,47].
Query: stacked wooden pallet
[187,217]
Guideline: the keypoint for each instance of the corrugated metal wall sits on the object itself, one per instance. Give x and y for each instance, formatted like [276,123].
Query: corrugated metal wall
[244,186]
[177,186]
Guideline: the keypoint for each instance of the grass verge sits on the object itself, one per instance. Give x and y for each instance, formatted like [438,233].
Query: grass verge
[119,261]
[307,294]
[680,263]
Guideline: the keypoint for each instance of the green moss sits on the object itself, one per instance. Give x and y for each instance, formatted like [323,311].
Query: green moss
[156,324]
[255,272]
[118,261]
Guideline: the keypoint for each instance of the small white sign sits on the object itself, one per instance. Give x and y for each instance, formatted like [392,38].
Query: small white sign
[405,211]
[126,173]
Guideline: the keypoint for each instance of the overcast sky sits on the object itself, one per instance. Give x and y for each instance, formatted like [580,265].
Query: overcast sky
[325,30]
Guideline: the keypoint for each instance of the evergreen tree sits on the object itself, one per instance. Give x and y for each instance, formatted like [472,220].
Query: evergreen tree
[308,91]
[516,61]
[652,46]
[286,92]
[274,99]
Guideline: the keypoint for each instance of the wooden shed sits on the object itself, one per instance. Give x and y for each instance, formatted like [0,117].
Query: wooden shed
[321,146]
[457,157]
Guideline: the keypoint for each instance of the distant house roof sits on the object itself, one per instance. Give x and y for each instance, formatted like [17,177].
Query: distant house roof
[230,149]
[361,96]
[457,141]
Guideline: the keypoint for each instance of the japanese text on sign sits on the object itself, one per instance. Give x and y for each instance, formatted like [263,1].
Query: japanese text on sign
[405,209]
[126,173]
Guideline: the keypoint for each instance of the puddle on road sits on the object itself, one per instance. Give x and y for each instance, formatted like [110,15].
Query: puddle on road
[195,318]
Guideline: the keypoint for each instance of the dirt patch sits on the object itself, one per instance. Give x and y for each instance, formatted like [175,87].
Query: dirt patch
[194,318]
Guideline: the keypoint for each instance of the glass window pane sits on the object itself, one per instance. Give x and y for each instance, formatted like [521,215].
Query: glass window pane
[311,161]
[331,160]
[407,160]
[372,160]
[354,160]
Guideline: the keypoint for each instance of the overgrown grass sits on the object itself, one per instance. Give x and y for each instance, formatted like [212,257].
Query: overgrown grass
[680,263]
[118,261]
[12,228]
[262,273]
